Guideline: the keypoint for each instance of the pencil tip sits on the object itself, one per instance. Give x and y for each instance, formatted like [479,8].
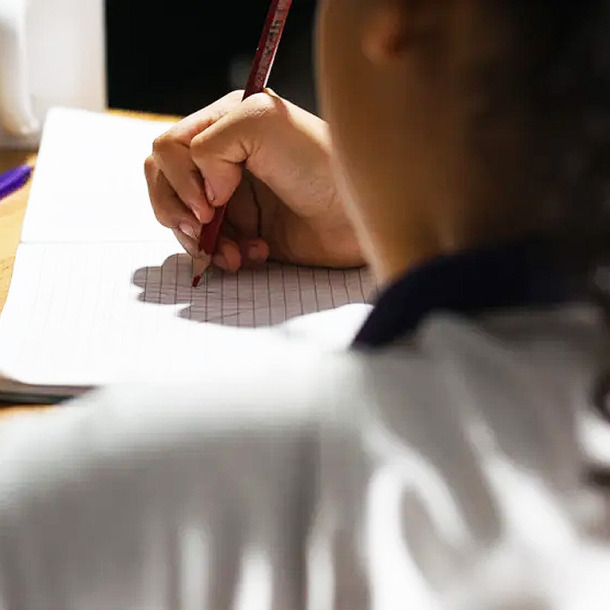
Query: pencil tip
[199,268]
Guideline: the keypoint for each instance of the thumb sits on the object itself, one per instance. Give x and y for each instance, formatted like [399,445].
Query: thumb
[221,151]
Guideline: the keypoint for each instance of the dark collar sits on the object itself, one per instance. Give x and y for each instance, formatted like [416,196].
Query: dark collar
[515,275]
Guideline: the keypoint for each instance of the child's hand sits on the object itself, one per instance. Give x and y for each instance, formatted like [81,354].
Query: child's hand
[271,161]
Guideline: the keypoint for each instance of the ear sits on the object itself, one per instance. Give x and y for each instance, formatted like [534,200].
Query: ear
[391,27]
[386,31]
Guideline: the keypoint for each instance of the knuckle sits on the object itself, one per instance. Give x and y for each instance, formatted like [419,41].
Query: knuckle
[261,104]
[195,143]
[149,167]
[162,143]
[196,149]
[199,147]
[236,95]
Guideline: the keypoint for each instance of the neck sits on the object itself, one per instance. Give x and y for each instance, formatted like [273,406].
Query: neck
[395,243]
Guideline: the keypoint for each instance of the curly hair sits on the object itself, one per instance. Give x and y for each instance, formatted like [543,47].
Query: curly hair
[556,78]
[551,84]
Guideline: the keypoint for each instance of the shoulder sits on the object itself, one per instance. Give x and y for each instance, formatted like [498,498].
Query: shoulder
[422,455]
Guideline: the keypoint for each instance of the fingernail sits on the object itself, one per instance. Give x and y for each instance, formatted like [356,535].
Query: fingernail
[220,261]
[254,253]
[196,212]
[187,230]
[209,192]
[197,201]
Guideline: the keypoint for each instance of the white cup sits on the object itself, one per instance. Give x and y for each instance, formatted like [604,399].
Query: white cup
[52,53]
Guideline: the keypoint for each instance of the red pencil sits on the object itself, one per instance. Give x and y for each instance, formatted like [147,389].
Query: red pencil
[259,76]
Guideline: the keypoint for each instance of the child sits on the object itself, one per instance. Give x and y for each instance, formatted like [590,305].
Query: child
[447,460]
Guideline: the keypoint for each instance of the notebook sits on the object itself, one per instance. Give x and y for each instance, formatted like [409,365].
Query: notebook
[101,293]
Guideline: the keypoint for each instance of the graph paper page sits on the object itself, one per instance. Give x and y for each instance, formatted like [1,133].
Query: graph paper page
[88,314]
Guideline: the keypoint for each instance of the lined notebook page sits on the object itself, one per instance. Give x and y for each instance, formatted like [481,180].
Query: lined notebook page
[88,314]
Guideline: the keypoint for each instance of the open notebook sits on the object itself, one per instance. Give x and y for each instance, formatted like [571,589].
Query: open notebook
[100,291]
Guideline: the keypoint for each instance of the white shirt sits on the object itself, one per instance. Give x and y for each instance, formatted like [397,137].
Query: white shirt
[448,471]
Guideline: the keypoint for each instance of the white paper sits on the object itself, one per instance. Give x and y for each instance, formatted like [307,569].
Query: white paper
[92,314]
[89,182]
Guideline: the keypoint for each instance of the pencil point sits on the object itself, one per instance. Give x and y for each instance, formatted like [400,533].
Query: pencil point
[199,267]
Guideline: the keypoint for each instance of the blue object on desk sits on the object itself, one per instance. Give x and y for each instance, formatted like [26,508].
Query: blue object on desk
[14,179]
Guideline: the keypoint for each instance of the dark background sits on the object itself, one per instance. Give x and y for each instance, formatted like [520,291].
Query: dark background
[176,56]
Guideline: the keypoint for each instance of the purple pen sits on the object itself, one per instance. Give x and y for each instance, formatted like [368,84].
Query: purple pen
[14,179]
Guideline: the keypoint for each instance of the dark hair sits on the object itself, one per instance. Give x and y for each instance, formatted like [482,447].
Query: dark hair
[550,83]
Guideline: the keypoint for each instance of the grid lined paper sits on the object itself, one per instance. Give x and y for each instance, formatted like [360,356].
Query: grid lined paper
[252,298]
[101,312]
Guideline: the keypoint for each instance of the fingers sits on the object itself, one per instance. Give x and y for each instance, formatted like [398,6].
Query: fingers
[174,160]
[171,212]
[188,243]
[250,253]
[221,151]
[198,165]
[230,256]
[169,209]
[199,121]
[171,156]
[254,252]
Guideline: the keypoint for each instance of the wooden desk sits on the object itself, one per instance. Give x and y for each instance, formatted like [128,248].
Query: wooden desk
[12,210]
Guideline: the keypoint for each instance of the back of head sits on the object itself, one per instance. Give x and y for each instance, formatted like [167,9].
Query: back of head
[552,84]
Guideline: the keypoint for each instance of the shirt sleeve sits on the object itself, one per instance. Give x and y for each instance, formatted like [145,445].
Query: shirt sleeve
[358,483]
[134,498]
